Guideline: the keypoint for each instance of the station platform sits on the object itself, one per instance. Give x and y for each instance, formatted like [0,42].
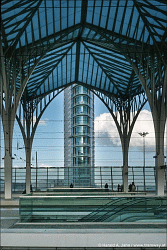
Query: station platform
[52,234]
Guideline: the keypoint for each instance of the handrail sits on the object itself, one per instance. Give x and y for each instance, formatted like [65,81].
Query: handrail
[102,208]
[55,176]
[148,211]
[122,208]
[98,209]
[137,216]
[129,204]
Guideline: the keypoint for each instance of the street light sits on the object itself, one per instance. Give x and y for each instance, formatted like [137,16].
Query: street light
[144,160]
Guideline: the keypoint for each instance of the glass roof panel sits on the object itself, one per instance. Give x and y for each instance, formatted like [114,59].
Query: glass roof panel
[134,20]
[104,12]
[15,15]
[154,13]
[89,16]
[114,65]
[70,13]
[128,13]
[90,71]
[49,14]
[97,12]
[111,16]
[120,11]
[62,72]
[78,11]
[57,16]
[110,25]
[64,20]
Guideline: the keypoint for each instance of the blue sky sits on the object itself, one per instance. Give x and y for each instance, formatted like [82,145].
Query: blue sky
[49,139]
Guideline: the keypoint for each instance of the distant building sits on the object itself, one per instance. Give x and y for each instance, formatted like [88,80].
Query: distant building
[78,136]
[1,185]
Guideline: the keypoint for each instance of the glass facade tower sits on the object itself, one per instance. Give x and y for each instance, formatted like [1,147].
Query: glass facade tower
[78,136]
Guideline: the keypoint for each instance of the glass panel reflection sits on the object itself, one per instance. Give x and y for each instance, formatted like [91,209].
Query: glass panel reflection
[90,205]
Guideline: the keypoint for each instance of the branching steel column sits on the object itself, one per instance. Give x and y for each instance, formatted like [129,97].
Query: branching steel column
[125,123]
[28,131]
[157,98]
[8,110]
[159,112]
[125,135]
[28,140]
[9,103]
[28,147]
[8,124]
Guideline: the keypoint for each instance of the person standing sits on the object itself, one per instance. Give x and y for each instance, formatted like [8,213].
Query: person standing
[133,187]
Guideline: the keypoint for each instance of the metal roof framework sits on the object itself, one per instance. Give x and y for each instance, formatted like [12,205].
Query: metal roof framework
[90,42]
[117,48]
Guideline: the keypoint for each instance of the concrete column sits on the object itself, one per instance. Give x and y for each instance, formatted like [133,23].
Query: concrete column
[125,171]
[160,175]
[8,175]
[159,160]
[159,125]
[28,170]
[28,146]
[28,138]
[125,149]
[8,133]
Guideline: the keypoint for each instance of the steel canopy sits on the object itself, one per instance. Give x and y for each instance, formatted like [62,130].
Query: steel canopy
[92,42]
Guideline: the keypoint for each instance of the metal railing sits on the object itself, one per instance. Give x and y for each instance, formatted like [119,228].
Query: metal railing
[138,208]
[47,177]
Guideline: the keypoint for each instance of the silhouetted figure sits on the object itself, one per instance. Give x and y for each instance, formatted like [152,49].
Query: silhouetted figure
[71,185]
[133,187]
[122,188]
[24,191]
[130,187]
[106,185]
[118,187]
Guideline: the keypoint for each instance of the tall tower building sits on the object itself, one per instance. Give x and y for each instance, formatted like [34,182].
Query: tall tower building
[78,136]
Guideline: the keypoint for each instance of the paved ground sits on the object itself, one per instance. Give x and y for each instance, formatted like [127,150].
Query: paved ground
[9,216]
[14,234]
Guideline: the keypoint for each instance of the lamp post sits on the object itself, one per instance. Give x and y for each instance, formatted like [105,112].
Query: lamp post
[144,159]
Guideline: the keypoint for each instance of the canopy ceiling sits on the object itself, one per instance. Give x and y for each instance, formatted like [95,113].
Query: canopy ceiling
[86,42]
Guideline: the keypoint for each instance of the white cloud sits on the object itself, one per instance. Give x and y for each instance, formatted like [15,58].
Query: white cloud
[41,122]
[144,123]
[44,166]
[107,134]
[105,130]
